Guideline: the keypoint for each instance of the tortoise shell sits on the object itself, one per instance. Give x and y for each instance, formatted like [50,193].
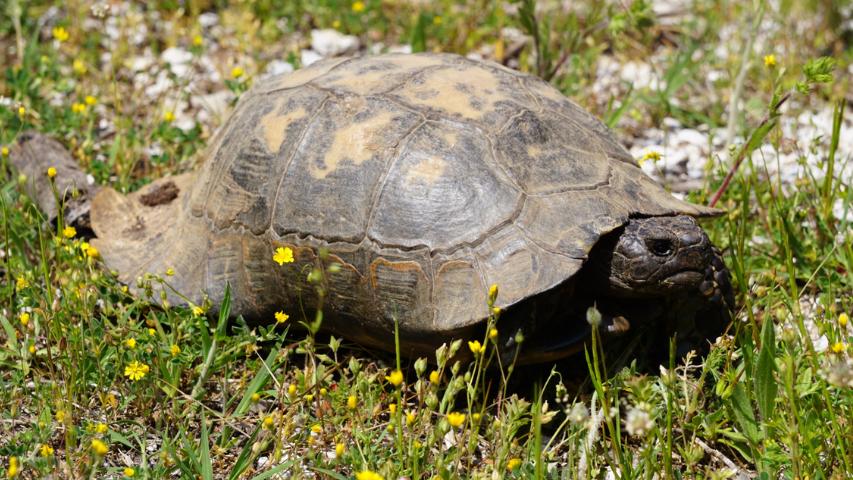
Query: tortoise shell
[426,177]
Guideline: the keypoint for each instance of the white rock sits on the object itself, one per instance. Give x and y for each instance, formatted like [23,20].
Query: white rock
[208,19]
[691,137]
[330,43]
[671,123]
[185,123]
[406,49]
[821,344]
[213,106]
[140,63]
[307,57]
[176,56]
[160,85]
[277,67]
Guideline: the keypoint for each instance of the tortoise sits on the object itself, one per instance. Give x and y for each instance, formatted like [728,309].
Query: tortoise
[425,179]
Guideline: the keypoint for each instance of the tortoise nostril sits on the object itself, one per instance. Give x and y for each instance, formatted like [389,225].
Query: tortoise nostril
[660,247]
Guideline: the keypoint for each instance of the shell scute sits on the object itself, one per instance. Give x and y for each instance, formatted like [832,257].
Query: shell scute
[329,187]
[428,197]
[545,154]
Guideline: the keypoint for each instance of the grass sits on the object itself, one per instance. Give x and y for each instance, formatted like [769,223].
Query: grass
[773,399]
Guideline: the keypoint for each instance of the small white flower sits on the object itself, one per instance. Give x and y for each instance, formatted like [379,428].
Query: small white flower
[578,414]
[638,421]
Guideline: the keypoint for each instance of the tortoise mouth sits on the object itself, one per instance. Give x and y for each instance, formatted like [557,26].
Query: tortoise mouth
[685,278]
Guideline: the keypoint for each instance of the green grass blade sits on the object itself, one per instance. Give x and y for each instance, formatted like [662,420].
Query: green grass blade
[764,381]
[204,452]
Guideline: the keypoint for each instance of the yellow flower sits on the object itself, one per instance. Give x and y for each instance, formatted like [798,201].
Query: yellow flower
[101,428]
[22,111]
[339,450]
[316,428]
[269,421]
[437,20]
[256,397]
[169,116]
[843,319]
[91,251]
[46,450]
[336,24]
[21,283]
[170,271]
[78,108]
[392,408]
[367,474]
[434,377]
[308,397]
[281,317]
[410,418]
[69,232]
[25,318]
[358,7]
[135,370]
[130,343]
[197,311]
[493,333]
[475,347]
[352,402]
[323,392]
[78,66]
[198,40]
[837,347]
[152,332]
[237,72]
[283,255]
[100,448]
[291,389]
[513,464]
[455,419]
[32,349]
[60,34]
[174,349]
[493,293]
[770,60]
[60,416]
[90,100]
[129,472]
[396,378]
[496,311]
[14,469]
[51,172]
[4,151]
[652,155]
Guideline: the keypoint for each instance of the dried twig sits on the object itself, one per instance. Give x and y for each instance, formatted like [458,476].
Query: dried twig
[748,147]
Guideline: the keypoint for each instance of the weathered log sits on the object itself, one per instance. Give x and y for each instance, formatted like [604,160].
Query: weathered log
[32,155]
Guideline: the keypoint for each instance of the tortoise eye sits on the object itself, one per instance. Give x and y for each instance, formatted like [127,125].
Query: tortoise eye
[661,247]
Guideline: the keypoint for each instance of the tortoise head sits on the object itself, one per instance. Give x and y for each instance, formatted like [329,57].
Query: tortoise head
[657,256]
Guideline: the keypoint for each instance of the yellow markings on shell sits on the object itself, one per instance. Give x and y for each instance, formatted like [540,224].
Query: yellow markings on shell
[374,81]
[450,138]
[427,170]
[440,89]
[356,142]
[362,83]
[534,151]
[415,61]
[547,91]
[275,125]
